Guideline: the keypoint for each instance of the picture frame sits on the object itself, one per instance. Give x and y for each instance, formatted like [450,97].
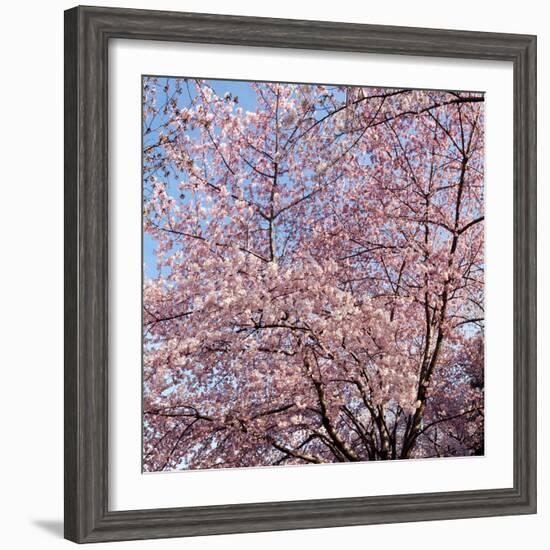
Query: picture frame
[87,34]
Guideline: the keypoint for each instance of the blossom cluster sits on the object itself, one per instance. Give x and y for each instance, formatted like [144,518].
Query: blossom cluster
[318,294]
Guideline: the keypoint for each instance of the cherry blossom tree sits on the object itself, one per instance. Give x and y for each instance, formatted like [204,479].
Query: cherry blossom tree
[318,293]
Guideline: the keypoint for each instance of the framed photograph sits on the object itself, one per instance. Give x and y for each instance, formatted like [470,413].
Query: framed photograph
[300,274]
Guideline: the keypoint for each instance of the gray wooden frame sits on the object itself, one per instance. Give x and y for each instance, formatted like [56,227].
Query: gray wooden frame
[87,34]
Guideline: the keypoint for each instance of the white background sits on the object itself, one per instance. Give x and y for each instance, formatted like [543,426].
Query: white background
[31,286]
[129,489]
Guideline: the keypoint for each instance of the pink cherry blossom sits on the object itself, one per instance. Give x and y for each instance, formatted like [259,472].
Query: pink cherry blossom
[318,288]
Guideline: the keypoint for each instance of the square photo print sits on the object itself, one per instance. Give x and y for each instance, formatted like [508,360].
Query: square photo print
[313,273]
